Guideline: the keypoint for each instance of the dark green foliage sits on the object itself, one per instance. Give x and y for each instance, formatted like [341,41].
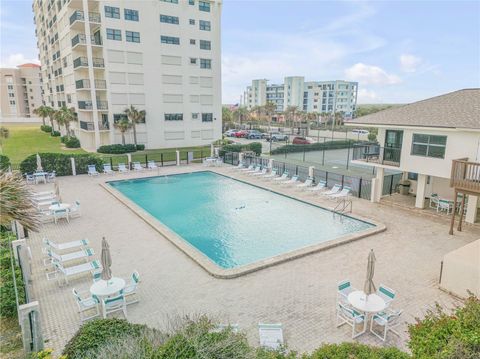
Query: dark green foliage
[372,134]
[140,147]
[46,128]
[356,351]
[60,163]
[254,146]
[72,142]
[318,146]
[448,336]
[64,139]
[4,163]
[55,134]
[116,149]
[8,304]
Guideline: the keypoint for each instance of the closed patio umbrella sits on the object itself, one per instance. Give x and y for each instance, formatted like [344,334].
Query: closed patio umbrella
[57,192]
[106,260]
[39,163]
[369,286]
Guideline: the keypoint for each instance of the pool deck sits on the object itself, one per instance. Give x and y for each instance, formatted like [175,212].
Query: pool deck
[299,293]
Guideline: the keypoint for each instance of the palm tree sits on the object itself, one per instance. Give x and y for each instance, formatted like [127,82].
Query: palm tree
[16,202]
[135,117]
[123,125]
[291,115]
[227,117]
[43,111]
[64,116]
[51,117]
[241,114]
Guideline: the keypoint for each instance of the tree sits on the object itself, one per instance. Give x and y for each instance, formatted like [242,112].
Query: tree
[291,116]
[227,117]
[43,111]
[51,117]
[123,125]
[135,117]
[16,202]
[270,109]
[64,116]
[241,114]
[4,134]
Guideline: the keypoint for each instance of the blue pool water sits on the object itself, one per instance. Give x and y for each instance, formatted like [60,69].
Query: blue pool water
[231,222]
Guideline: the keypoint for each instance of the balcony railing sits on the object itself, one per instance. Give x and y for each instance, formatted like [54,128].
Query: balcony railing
[102,105]
[85,84]
[389,156]
[78,15]
[90,126]
[82,40]
[465,175]
[100,84]
[98,62]
[83,61]
[88,105]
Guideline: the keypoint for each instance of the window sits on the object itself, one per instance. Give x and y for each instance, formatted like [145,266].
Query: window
[192,42]
[205,45]
[172,1]
[117,117]
[192,21]
[205,25]
[132,36]
[204,6]
[412,176]
[11,95]
[12,102]
[170,40]
[193,61]
[10,87]
[205,63]
[429,145]
[113,34]
[169,19]
[131,15]
[113,12]
[174,117]
[191,2]
[207,117]
[194,116]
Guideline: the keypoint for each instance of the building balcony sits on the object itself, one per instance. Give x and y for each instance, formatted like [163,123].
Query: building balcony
[78,15]
[85,84]
[90,126]
[81,39]
[88,105]
[465,176]
[388,156]
[83,62]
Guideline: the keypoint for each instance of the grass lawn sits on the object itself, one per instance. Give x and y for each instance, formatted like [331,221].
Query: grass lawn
[11,346]
[25,140]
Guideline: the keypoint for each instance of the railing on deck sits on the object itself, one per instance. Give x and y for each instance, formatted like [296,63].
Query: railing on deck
[389,156]
[465,175]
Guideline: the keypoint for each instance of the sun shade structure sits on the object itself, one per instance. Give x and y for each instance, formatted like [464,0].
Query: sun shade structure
[106,260]
[369,286]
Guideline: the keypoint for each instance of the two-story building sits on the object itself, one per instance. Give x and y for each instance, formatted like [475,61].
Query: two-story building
[434,142]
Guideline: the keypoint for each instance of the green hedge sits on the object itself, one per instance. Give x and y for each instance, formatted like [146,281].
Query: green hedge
[357,351]
[60,163]
[46,128]
[318,146]
[254,146]
[8,304]
[4,163]
[55,134]
[140,147]
[117,149]
[72,142]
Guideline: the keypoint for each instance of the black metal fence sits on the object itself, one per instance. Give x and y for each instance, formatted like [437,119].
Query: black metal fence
[390,183]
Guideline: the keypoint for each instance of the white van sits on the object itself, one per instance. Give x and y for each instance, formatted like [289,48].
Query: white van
[360,132]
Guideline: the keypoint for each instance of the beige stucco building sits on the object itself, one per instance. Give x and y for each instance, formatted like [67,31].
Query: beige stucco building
[20,91]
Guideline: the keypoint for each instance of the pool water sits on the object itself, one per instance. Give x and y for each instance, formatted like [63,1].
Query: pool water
[231,222]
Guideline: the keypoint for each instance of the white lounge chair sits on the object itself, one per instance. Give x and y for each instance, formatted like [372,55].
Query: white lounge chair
[343,193]
[122,168]
[255,170]
[66,273]
[348,315]
[107,169]
[46,216]
[92,170]
[46,203]
[64,258]
[388,319]
[151,165]
[43,194]
[291,181]
[74,210]
[86,304]
[61,213]
[387,294]
[238,167]
[45,198]
[271,335]
[283,177]
[344,288]
[308,183]
[114,304]
[335,189]
[249,168]
[130,289]
[261,173]
[137,167]
[272,174]
[66,246]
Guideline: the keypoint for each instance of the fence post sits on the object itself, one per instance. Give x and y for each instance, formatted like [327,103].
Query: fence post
[161,158]
[323,154]
[178,157]
[311,170]
[303,154]
[391,185]
[31,337]
[348,155]
[343,180]
[270,163]
[212,150]
[74,170]
[146,160]
[129,160]
[360,188]
[111,163]
[16,243]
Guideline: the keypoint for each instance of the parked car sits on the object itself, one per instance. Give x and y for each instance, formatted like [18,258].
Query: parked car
[360,132]
[254,134]
[302,141]
[230,133]
[276,136]
[241,133]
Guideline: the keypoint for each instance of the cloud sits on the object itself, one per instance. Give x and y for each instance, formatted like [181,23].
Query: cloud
[14,60]
[369,74]
[366,96]
[410,63]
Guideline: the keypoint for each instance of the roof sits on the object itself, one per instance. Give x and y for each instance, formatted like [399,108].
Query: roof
[459,109]
[29,65]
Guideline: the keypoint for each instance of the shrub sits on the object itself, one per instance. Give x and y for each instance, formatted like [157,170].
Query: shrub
[64,139]
[116,149]
[447,336]
[140,147]
[46,128]
[254,146]
[55,134]
[4,163]
[60,163]
[357,351]
[72,142]
[318,146]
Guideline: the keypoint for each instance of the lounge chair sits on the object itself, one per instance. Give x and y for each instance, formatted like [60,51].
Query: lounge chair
[291,181]
[271,335]
[66,273]
[343,193]
[130,289]
[239,166]
[255,170]
[66,246]
[96,275]
[86,304]
[387,294]
[348,315]
[335,189]
[433,200]
[92,170]
[283,177]
[114,304]
[45,203]
[151,165]
[137,167]
[272,174]
[64,258]
[43,194]
[388,319]
[46,216]
[74,210]
[249,168]
[261,173]
[344,288]
[107,169]
[61,213]
[122,168]
[45,198]
[308,183]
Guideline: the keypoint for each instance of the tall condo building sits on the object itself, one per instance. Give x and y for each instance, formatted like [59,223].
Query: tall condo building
[161,56]
[21,91]
[314,96]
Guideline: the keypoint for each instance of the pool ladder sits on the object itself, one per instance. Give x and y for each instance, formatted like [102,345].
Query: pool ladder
[344,206]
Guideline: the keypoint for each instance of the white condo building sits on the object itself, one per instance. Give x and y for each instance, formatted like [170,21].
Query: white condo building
[161,56]
[314,96]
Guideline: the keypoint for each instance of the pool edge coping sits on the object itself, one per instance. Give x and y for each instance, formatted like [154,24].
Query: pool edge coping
[229,273]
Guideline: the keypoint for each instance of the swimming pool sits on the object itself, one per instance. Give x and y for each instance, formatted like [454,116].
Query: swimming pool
[235,224]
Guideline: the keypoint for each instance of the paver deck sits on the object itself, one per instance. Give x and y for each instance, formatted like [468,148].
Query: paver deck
[300,293]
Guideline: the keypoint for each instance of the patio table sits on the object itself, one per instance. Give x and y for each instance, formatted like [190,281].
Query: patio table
[59,207]
[103,288]
[40,177]
[368,304]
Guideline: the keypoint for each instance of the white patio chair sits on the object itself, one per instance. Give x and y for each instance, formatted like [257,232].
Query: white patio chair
[152,165]
[291,181]
[107,169]
[388,320]
[271,335]
[308,183]
[114,304]
[263,172]
[122,168]
[238,167]
[61,213]
[51,176]
[344,288]
[130,289]
[335,189]
[137,167]
[344,193]
[254,170]
[64,258]
[387,294]
[282,178]
[445,205]
[66,246]
[46,216]
[348,315]
[433,200]
[66,273]
[321,186]
[249,168]
[30,178]
[96,275]
[86,304]
[271,175]
[218,162]
[74,210]
[92,170]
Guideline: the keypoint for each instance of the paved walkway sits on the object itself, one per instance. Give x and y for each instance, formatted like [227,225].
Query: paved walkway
[300,294]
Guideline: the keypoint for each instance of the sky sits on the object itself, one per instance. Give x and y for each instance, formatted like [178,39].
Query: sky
[398,51]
